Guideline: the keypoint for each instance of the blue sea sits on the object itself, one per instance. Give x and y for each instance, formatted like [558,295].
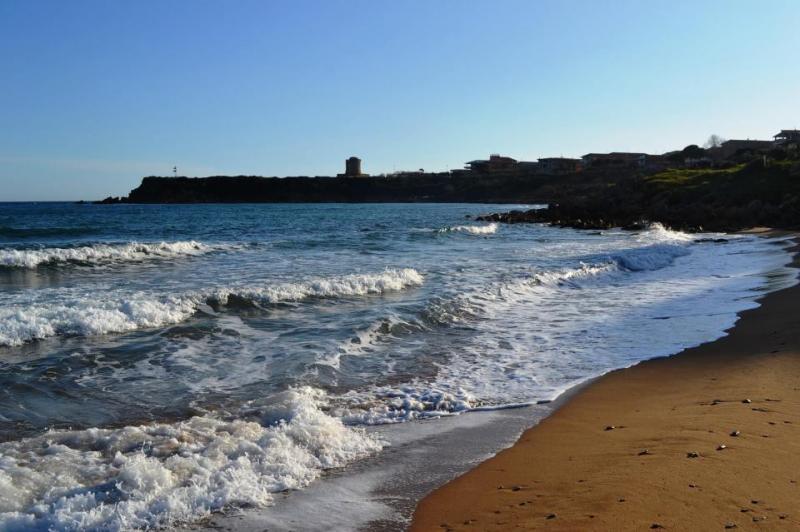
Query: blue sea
[159,363]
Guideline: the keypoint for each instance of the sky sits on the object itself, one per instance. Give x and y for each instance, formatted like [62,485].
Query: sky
[95,94]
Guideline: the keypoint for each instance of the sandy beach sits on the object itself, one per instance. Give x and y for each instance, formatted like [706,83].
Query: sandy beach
[708,439]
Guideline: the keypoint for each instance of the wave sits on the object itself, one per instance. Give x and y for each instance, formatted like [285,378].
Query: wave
[476,303]
[344,286]
[488,229]
[652,257]
[660,233]
[102,253]
[85,315]
[156,475]
[367,340]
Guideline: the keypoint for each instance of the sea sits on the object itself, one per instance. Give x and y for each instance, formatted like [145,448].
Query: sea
[315,366]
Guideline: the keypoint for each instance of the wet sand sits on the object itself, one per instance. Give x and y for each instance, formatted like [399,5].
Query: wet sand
[708,439]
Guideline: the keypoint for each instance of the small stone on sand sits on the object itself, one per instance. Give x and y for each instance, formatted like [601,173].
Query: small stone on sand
[643,452]
[610,427]
[551,516]
[746,401]
[735,433]
[692,454]
[722,447]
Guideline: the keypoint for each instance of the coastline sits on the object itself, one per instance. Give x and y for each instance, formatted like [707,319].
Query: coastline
[570,473]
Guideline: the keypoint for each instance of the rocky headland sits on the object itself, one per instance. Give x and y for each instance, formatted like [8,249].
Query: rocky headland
[729,199]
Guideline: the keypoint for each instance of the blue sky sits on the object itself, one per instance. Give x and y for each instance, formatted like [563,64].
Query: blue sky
[96,94]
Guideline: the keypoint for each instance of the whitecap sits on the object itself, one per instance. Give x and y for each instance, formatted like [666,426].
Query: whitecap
[102,253]
[85,315]
[155,475]
[488,229]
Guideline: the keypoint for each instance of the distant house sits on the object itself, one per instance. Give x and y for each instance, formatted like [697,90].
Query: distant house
[615,160]
[787,138]
[731,149]
[559,166]
[528,167]
[494,164]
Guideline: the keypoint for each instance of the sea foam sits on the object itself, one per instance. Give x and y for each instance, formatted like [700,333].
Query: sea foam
[155,475]
[85,315]
[101,253]
[488,229]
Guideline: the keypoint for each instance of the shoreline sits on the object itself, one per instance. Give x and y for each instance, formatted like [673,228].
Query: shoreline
[572,471]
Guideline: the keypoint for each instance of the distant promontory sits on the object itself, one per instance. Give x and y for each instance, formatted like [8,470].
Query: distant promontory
[728,186]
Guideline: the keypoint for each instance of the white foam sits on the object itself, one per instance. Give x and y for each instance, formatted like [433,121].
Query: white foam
[365,341]
[156,475]
[344,286]
[587,320]
[488,229]
[83,314]
[101,253]
[658,232]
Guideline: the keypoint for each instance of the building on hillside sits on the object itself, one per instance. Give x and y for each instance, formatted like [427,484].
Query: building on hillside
[787,138]
[734,149]
[528,167]
[352,168]
[494,164]
[559,166]
[615,160]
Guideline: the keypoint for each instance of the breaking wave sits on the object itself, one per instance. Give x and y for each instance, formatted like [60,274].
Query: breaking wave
[84,315]
[101,253]
[344,286]
[155,475]
[652,257]
[488,229]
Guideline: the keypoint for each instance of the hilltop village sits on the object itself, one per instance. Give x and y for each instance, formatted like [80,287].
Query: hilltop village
[717,153]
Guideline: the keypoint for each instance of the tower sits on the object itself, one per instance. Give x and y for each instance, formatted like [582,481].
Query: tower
[352,167]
